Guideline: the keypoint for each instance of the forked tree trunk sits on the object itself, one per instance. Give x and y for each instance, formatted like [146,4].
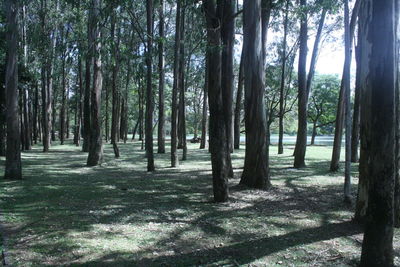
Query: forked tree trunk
[256,166]
[96,144]
[378,58]
[13,168]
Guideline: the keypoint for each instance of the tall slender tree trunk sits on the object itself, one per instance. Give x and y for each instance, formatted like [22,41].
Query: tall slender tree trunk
[283,79]
[238,105]
[149,88]
[182,90]
[339,124]
[96,144]
[35,114]
[87,95]
[379,58]
[347,177]
[3,120]
[174,108]
[13,168]
[355,133]
[301,141]
[228,40]
[161,82]
[115,90]
[256,166]
[204,120]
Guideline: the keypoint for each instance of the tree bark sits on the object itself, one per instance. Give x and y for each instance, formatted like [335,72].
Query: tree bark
[256,166]
[355,136]
[204,120]
[13,168]
[174,108]
[238,105]
[337,143]
[346,83]
[96,145]
[149,88]
[182,90]
[218,143]
[228,40]
[3,120]
[379,58]
[301,141]
[161,83]
[283,75]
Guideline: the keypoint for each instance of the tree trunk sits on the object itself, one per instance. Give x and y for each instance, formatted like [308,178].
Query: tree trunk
[204,120]
[256,166]
[13,168]
[149,88]
[114,86]
[283,75]
[175,87]
[26,129]
[380,66]
[355,137]
[182,90]
[161,83]
[346,83]
[314,133]
[238,105]
[3,120]
[301,141]
[337,143]
[218,143]
[228,40]
[96,145]
[86,105]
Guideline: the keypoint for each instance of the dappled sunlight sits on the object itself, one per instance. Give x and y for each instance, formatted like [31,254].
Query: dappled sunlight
[117,214]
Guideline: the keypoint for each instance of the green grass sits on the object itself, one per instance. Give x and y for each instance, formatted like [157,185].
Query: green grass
[64,213]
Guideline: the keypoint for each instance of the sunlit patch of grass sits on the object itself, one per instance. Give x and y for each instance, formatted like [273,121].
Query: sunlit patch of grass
[117,214]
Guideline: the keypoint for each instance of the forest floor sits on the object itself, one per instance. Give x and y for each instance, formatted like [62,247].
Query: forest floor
[64,213]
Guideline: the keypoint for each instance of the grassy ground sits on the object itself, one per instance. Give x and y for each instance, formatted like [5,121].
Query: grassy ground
[64,213]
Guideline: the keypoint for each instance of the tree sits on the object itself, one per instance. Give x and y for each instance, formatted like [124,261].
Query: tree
[149,88]
[342,97]
[96,143]
[161,81]
[322,106]
[301,141]
[256,167]
[218,143]
[174,108]
[379,71]
[13,168]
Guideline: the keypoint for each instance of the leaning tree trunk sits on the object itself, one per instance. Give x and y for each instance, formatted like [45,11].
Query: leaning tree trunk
[96,144]
[301,141]
[283,75]
[161,84]
[149,88]
[13,168]
[218,144]
[256,166]
[339,124]
[379,58]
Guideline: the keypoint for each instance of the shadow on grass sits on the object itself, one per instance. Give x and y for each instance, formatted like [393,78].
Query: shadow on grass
[61,202]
